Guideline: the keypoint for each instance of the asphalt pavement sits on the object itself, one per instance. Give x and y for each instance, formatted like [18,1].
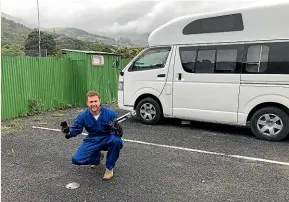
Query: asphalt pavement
[171,162]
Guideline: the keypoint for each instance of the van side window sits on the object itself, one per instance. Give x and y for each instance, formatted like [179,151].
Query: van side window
[219,60]
[257,59]
[278,58]
[226,61]
[188,58]
[205,61]
[152,59]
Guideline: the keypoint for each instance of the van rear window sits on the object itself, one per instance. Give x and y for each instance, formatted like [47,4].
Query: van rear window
[267,58]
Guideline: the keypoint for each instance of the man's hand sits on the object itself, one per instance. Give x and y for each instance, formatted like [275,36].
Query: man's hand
[115,127]
[65,129]
[118,129]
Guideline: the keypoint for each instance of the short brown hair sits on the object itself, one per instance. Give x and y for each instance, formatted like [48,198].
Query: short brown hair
[92,93]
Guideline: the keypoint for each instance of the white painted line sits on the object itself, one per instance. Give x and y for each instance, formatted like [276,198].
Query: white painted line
[261,160]
[188,149]
[213,153]
[174,147]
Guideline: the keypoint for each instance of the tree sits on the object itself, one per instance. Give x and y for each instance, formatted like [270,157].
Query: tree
[47,42]
[58,53]
[12,50]
[129,52]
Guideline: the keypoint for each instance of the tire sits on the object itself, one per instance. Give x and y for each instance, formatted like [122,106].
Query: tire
[149,111]
[270,123]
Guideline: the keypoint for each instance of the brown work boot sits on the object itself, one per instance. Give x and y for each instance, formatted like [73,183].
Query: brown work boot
[97,165]
[108,174]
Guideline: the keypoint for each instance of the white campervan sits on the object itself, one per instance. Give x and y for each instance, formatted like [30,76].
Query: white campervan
[229,67]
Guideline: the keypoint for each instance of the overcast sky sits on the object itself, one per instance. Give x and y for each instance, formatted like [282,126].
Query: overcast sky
[107,16]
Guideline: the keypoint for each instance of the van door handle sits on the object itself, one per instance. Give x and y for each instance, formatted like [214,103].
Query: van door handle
[179,76]
[161,75]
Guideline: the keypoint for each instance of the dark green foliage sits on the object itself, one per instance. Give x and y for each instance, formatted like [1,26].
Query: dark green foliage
[128,52]
[12,50]
[46,42]
[35,107]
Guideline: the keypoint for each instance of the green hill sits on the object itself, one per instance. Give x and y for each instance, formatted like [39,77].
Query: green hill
[13,36]
[81,35]
[89,37]
[64,42]
[13,33]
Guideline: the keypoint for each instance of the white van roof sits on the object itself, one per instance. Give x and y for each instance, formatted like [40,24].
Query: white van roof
[267,22]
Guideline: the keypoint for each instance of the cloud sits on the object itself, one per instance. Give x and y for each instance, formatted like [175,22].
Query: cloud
[112,17]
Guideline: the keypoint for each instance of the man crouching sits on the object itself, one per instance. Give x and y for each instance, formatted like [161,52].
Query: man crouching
[100,137]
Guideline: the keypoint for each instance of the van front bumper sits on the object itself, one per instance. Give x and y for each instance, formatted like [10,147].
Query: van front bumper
[120,102]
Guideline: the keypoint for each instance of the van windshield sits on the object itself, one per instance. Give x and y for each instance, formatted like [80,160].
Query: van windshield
[152,58]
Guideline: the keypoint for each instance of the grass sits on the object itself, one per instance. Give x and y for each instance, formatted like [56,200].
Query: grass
[58,115]
[11,126]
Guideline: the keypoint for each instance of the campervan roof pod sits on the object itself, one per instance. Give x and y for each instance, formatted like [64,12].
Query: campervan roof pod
[258,23]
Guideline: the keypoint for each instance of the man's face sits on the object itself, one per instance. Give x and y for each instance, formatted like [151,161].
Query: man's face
[93,103]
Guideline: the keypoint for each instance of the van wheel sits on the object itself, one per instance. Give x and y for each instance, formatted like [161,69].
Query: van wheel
[270,123]
[148,111]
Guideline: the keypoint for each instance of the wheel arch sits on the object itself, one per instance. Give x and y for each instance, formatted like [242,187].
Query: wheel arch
[266,104]
[146,96]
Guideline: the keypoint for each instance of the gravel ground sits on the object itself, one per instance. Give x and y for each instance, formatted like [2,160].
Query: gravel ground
[36,164]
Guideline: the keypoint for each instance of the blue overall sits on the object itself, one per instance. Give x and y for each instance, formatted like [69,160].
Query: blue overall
[99,138]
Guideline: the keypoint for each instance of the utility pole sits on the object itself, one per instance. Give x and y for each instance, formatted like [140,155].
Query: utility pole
[39,39]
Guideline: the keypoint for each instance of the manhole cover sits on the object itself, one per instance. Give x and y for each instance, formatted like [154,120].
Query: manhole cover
[72,185]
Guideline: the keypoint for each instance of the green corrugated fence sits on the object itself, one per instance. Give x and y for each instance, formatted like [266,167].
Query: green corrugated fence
[53,82]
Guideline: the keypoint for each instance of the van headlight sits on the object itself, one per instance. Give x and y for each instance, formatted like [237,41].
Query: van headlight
[120,86]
